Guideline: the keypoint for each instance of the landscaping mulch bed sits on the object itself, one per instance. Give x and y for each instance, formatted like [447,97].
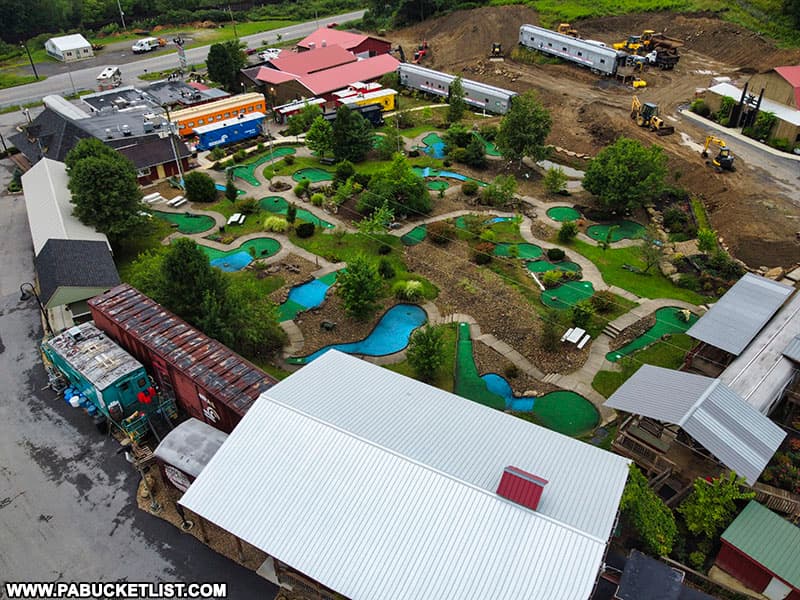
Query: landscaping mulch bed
[293,269]
[632,332]
[488,360]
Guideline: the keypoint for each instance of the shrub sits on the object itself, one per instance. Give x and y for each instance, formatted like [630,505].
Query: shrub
[513,251]
[469,187]
[567,232]
[603,301]
[291,213]
[230,191]
[217,153]
[780,144]
[305,230]
[301,188]
[344,170]
[488,132]
[384,249]
[239,156]
[487,235]
[408,290]
[555,180]
[482,254]
[247,206]
[200,187]
[288,160]
[555,254]
[276,224]
[511,372]
[386,269]
[582,313]
[441,232]
[551,279]
[700,107]
[675,219]
[317,199]
[570,275]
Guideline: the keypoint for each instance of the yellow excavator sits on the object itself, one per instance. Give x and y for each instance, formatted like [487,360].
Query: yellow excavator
[646,115]
[724,159]
[567,29]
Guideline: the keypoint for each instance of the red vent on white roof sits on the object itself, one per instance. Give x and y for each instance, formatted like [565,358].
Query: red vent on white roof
[521,487]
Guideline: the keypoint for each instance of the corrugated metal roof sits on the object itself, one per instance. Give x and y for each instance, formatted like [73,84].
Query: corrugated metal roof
[273,76]
[792,350]
[736,319]
[782,111]
[74,41]
[768,539]
[217,368]
[373,522]
[459,437]
[332,37]
[713,414]
[49,205]
[190,446]
[339,77]
[311,61]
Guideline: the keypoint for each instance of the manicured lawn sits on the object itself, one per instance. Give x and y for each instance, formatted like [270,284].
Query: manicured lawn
[653,285]
[150,236]
[668,354]
[444,379]
[8,80]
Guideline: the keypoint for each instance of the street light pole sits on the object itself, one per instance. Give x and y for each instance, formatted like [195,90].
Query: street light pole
[230,12]
[33,66]
[121,15]
[172,127]
[27,290]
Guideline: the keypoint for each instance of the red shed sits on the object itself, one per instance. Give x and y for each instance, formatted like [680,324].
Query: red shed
[210,381]
[762,550]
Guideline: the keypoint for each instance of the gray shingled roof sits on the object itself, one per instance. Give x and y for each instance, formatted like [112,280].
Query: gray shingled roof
[737,434]
[74,263]
[736,319]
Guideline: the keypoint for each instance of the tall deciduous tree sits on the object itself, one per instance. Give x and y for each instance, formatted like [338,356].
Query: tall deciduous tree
[647,514]
[524,129]
[352,135]
[359,286]
[200,187]
[224,61]
[455,111]
[319,138]
[400,187]
[302,121]
[626,174]
[426,352]
[712,504]
[104,188]
[651,249]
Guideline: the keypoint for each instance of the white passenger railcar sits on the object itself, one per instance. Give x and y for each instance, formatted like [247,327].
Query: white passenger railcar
[587,53]
[476,94]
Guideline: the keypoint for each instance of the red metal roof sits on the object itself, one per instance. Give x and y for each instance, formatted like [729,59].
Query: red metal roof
[234,380]
[344,75]
[332,37]
[198,86]
[274,76]
[792,75]
[521,487]
[311,61]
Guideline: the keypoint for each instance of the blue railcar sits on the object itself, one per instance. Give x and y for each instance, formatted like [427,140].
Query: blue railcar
[229,131]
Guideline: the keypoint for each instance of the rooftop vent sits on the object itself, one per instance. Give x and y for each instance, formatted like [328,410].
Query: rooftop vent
[324,44]
[148,126]
[311,45]
[521,487]
[109,135]
[126,130]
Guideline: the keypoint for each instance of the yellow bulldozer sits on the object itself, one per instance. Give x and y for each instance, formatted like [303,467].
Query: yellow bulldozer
[648,41]
[723,161]
[567,29]
[646,115]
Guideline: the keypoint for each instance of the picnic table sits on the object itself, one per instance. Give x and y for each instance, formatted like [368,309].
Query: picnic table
[237,219]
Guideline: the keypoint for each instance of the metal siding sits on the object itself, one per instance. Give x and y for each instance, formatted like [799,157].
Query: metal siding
[591,54]
[742,568]
[792,350]
[733,322]
[373,524]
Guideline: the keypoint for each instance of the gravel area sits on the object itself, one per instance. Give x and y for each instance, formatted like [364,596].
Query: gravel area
[488,360]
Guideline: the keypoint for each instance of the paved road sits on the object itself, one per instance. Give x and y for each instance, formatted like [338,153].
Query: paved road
[82,76]
[67,508]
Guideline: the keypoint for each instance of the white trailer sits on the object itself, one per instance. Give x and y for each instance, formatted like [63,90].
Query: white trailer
[587,53]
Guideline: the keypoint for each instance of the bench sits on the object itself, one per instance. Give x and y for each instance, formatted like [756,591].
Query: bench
[567,334]
[584,341]
[150,198]
[234,218]
[180,203]
[175,201]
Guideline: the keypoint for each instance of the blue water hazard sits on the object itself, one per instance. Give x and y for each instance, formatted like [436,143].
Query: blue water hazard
[310,294]
[390,335]
[498,385]
[232,262]
[500,219]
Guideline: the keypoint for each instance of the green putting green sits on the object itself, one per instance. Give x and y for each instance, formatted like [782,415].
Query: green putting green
[491,149]
[542,266]
[669,320]
[437,185]
[524,250]
[567,294]
[313,174]
[187,223]
[263,247]
[277,205]
[563,213]
[415,236]
[468,383]
[623,230]
[566,412]
[247,172]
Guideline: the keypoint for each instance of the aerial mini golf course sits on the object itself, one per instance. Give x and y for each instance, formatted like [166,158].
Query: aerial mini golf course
[279,206]
[238,258]
[247,172]
[563,213]
[186,222]
[668,321]
[563,411]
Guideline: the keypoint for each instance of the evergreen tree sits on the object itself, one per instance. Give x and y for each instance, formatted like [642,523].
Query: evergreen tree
[224,61]
[319,138]
[457,107]
[352,135]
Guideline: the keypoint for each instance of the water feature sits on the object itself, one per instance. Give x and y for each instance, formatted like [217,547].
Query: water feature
[221,187]
[669,320]
[563,213]
[431,172]
[390,335]
[305,296]
[434,145]
[238,258]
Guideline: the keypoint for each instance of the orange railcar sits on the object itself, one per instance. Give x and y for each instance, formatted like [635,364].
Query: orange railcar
[195,116]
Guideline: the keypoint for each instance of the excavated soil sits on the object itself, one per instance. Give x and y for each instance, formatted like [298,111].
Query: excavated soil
[748,208]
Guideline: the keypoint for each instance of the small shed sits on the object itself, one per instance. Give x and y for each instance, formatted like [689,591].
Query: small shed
[762,550]
[69,48]
[185,451]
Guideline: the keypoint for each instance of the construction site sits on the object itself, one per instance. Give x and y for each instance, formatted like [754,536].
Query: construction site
[754,206]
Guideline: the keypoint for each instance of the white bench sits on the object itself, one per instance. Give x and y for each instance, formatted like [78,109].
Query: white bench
[236,219]
[567,334]
[584,341]
[175,201]
[150,198]
[180,203]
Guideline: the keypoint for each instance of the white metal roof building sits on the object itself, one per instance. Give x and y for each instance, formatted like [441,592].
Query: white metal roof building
[738,435]
[733,322]
[381,487]
[69,48]
[49,206]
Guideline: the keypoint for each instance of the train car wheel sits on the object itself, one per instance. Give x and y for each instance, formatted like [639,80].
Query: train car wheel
[101,424]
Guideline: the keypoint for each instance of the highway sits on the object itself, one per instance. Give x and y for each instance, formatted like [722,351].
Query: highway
[80,76]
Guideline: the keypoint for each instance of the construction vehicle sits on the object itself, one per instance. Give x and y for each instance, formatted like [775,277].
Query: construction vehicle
[497,52]
[566,29]
[664,60]
[652,40]
[666,47]
[400,53]
[632,44]
[723,161]
[646,115]
[421,52]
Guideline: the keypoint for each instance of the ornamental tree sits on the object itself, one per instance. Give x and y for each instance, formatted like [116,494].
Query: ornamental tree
[524,129]
[455,111]
[359,286]
[352,135]
[647,514]
[712,504]
[426,352]
[319,138]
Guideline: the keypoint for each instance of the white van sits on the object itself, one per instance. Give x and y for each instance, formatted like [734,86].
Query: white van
[145,45]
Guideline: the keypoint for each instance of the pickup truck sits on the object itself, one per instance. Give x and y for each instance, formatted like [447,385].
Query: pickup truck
[147,44]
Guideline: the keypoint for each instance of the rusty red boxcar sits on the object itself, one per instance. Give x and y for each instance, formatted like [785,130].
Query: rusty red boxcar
[209,380]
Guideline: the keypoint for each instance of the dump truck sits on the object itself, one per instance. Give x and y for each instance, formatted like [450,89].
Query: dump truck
[646,115]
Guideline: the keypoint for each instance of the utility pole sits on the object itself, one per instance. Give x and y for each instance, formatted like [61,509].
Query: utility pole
[121,16]
[171,128]
[33,66]
[230,12]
